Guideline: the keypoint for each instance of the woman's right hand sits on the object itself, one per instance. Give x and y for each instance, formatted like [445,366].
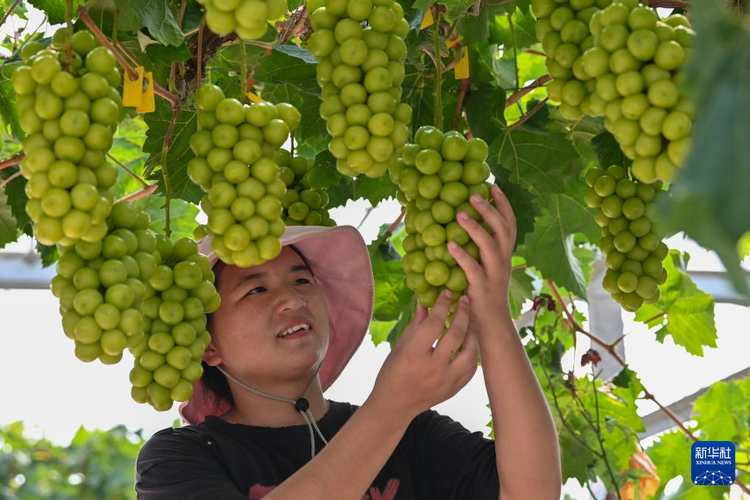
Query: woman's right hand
[415,376]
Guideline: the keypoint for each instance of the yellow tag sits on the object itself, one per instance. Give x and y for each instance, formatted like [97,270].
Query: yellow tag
[453,41]
[427,20]
[462,68]
[147,104]
[254,97]
[132,89]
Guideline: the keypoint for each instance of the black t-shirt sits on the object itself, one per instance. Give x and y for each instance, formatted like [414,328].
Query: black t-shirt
[437,458]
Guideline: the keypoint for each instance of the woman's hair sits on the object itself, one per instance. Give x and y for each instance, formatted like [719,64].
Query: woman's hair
[213,379]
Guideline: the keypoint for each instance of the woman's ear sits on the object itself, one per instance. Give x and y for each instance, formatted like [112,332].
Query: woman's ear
[212,356]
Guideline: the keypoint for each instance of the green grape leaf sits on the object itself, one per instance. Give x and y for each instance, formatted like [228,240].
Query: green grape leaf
[374,190]
[379,331]
[608,150]
[155,15]
[55,9]
[182,216]
[475,28]
[710,202]
[575,458]
[550,247]
[485,108]
[48,253]
[179,153]
[406,317]
[16,193]
[685,312]
[391,292]
[714,419]
[537,162]
[521,289]
[671,455]
[289,64]
[524,30]
[628,385]
[8,226]
[8,111]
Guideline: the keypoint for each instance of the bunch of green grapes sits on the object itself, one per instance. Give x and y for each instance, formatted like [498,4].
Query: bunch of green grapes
[69,110]
[102,283]
[563,29]
[248,18]
[360,73]
[639,61]
[437,175]
[235,166]
[631,241]
[303,205]
[168,358]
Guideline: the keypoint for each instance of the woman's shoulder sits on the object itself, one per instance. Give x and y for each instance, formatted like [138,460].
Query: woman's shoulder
[172,442]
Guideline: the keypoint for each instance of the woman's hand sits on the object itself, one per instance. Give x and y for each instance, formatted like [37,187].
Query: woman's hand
[415,376]
[488,281]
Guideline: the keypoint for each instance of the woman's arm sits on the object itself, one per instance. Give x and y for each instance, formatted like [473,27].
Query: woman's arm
[526,445]
[414,377]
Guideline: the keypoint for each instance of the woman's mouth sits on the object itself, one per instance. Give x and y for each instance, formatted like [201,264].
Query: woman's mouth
[296,331]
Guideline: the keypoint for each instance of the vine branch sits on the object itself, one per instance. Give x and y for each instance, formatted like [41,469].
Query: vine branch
[13,160]
[10,11]
[395,223]
[83,15]
[528,114]
[10,179]
[132,174]
[522,92]
[465,87]
[438,115]
[148,191]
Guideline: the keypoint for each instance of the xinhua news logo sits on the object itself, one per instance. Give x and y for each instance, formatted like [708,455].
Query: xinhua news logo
[712,463]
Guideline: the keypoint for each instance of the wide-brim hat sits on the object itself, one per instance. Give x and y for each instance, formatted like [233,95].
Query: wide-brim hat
[340,262]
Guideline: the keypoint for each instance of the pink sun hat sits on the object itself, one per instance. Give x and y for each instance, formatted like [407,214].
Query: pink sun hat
[340,262]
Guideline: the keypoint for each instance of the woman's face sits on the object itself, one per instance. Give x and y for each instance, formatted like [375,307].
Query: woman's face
[259,304]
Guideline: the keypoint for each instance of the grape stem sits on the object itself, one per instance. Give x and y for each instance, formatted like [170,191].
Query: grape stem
[243,72]
[528,115]
[438,113]
[83,15]
[164,170]
[200,55]
[128,171]
[10,179]
[518,95]
[148,191]
[395,223]
[13,160]
[69,28]
[10,11]
[465,87]
[599,434]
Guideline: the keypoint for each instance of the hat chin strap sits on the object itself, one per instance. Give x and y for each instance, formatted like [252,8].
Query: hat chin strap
[302,405]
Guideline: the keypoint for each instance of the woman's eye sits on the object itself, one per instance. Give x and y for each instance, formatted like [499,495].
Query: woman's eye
[302,281]
[256,290]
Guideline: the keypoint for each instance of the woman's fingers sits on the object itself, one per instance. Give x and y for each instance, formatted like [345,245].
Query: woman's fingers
[453,337]
[466,362]
[431,327]
[473,270]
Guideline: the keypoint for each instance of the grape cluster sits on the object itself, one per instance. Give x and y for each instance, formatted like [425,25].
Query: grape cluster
[102,283]
[360,73]
[563,29]
[69,110]
[303,205]
[631,242]
[234,164]
[436,176]
[639,65]
[248,18]
[168,358]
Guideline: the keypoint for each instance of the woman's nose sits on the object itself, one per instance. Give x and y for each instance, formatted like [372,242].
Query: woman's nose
[289,299]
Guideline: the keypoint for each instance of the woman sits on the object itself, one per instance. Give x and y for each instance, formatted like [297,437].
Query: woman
[286,329]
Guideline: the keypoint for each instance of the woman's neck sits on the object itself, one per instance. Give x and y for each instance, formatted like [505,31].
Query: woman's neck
[253,409]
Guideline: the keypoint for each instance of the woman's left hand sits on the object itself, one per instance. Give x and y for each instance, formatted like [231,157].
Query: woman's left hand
[489,280]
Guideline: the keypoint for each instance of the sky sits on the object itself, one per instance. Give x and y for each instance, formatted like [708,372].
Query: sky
[44,385]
